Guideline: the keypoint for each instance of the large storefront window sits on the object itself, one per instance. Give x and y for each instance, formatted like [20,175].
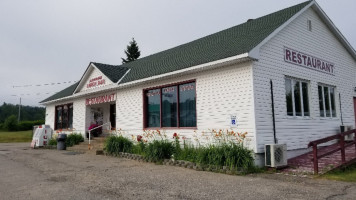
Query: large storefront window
[326,101]
[64,117]
[297,97]
[172,106]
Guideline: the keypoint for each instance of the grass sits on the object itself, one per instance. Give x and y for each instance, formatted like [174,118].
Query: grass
[347,174]
[18,136]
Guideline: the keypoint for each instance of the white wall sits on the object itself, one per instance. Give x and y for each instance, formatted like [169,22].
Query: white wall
[50,115]
[320,43]
[219,93]
[91,74]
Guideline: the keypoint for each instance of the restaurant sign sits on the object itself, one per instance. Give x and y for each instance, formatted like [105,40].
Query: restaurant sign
[96,82]
[100,99]
[308,61]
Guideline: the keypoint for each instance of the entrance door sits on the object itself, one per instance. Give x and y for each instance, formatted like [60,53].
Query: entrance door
[355,109]
[113,115]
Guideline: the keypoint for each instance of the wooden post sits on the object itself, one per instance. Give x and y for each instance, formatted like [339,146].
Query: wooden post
[315,159]
[342,146]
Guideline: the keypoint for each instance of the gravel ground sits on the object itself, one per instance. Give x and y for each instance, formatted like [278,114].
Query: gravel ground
[26,173]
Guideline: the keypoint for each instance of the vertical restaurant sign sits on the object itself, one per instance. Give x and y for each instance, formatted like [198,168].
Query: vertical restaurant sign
[308,61]
[100,99]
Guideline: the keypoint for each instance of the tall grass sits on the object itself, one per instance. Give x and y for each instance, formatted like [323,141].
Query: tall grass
[73,139]
[116,144]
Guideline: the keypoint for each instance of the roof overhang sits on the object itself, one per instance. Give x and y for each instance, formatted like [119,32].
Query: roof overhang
[206,66]
[255,52]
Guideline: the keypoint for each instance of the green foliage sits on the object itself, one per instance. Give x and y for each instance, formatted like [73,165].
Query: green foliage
[232,155]
[347,174]
[11,123]
[73,139]
[158,150]
[139,148]
[28,113]
[116,144]
[28,125]
[52,141]
[132,52]
[1,126]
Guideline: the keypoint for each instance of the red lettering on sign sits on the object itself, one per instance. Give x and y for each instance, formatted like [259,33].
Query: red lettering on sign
[307,61]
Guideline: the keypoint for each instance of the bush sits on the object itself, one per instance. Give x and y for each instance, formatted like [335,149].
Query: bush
[73,139]
[158,150]
[28,125]
[10,123]
[1,126]
[52,141]
[116,144]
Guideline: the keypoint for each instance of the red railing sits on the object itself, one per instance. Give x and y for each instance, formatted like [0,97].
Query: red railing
[339,146]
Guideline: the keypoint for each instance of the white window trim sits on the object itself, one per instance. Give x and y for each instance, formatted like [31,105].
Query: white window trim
[301,97]
[329,96]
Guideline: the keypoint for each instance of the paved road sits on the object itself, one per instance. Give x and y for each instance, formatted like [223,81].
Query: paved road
[49,174]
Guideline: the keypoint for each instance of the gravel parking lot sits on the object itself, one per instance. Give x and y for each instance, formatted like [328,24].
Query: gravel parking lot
[50,174]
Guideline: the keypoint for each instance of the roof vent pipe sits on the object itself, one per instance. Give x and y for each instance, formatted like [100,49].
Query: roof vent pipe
[249,20]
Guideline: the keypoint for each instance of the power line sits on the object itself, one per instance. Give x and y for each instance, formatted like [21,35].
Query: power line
[31,94]
[43,84]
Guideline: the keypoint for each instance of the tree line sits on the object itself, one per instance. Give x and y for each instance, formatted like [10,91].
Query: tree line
[28,113]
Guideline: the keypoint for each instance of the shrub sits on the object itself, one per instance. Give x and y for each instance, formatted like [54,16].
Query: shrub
[10,123]
[139,148]
[28,125]
[73,139]
[116,144]
[158,150]
[52,141]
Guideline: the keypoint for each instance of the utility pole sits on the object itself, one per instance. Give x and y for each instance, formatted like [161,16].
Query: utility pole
[19,111]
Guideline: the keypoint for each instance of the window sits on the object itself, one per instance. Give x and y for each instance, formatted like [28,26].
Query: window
[64,117]
[171,106]
[297,97]
[309,22]
[326,101]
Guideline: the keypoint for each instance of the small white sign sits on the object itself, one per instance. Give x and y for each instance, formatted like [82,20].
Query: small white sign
[233,121]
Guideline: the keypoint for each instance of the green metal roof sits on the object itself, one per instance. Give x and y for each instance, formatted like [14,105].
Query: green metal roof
[113,72]
[63,93]
[227,43]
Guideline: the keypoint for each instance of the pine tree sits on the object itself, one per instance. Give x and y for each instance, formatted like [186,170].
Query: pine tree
[132,52]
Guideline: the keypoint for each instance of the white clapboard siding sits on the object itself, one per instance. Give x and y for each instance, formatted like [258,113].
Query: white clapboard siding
[320,43]
[93,73]
[219,94]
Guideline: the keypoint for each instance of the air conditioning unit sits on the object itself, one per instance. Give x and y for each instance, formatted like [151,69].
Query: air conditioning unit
[351,136]
[276,155]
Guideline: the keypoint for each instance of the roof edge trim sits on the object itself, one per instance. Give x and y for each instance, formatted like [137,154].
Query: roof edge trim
[194,68]
[255,52]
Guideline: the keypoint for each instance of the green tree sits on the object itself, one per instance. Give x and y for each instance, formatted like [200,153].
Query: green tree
[132,52]
[11,123]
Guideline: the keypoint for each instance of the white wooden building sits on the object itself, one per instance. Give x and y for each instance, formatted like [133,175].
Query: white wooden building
[206,83]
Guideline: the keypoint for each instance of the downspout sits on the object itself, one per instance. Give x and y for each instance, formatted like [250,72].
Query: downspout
[273,115]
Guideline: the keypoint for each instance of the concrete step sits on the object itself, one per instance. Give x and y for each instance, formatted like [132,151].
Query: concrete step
[96,146]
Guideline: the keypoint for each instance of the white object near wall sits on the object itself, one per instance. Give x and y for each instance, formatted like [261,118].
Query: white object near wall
[233,120]
[42,135]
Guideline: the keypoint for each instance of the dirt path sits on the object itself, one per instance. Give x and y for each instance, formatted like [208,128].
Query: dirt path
[50,174]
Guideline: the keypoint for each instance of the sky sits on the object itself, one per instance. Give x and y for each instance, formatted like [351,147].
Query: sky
[44,44]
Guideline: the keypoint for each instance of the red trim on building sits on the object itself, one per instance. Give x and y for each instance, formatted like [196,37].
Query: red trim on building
[160,87]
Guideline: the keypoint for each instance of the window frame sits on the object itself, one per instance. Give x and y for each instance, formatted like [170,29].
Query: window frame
[68,115]
[301,81]
[145,105]
[330,101]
